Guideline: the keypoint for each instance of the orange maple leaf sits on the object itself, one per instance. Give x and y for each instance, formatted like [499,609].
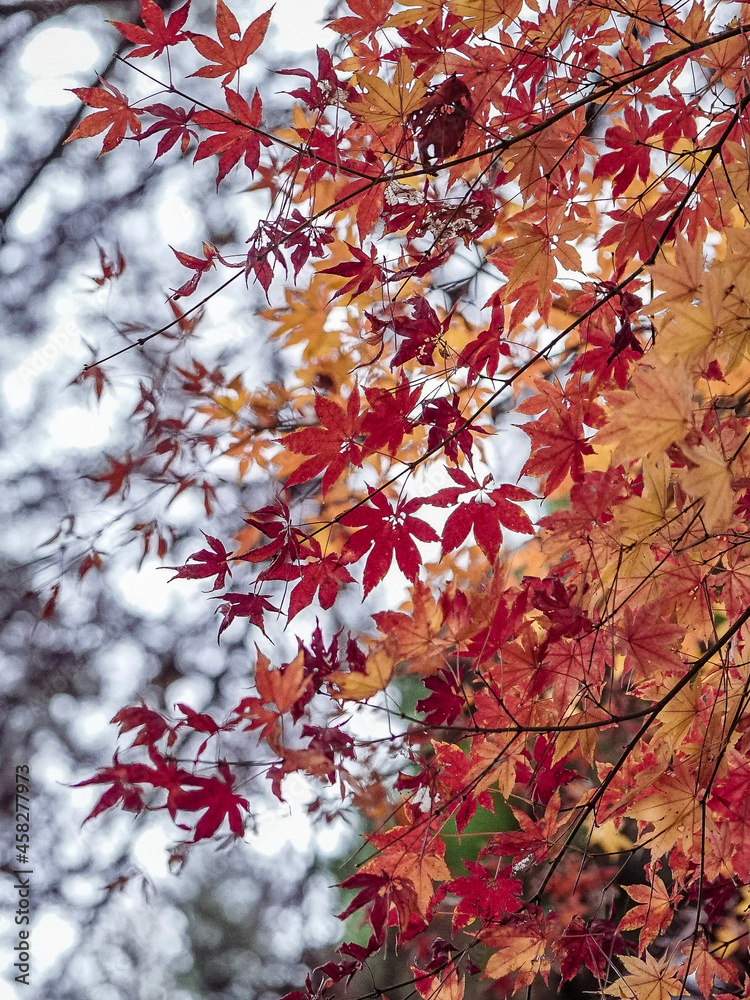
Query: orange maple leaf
[440,987]
[648,642]
[115,115]
[282,687]
[411,860]
[518,947]
[705,965]
[672,809]
[415,638]
[653,915]
[481,15]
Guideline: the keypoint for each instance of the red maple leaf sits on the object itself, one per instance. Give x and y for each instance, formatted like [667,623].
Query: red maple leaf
[93,374]
[446,702]
[198,721]
[152,725]
[588,944]
[632,151]
[173,122]
[386,532]
[372,888]
[333,445]
[237,136]
[326,576]
[231,52]
[485,518]
[118,477]
[440,124]
[421,333]
[368,19]
[111,269]
[483,896]
[217,796]
[323,86]
[124,780]
[387,420]
[253,711]
[116,115]
[363,272]
[483,353]
[287,544]
[558,438]
[448,428]
[206,562]
[319,661]
[199,266]
[155,36]
[546,775]
[250,606]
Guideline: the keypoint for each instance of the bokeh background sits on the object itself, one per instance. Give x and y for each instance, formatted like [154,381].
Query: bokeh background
[110,919]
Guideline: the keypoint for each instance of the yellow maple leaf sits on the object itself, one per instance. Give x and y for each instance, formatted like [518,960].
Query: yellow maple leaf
[422,12]
[672,811]
[688,331]
[646,980]
[357,686]
[305,320]
[728,287]
[516,948]
[481,15]
[735,164]
[677,718]
[388,104]
[653,413]
[709,479]
[678,281]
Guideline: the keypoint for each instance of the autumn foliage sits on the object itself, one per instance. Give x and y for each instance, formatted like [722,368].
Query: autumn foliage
[482,213]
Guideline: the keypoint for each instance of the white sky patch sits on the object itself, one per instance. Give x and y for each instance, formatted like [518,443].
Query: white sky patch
[93,727]
[332,838]
[7,992]
[276,829]
[30,216]
[52,936]
[194,691]
[57,59]
[175,218]
[299,24]
[80,427]
[151,851]
[146,590]
[50,768]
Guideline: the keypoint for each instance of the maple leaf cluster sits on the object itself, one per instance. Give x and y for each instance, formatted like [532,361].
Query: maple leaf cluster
[579,638]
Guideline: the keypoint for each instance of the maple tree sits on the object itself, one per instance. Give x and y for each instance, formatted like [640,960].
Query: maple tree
[582,680]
